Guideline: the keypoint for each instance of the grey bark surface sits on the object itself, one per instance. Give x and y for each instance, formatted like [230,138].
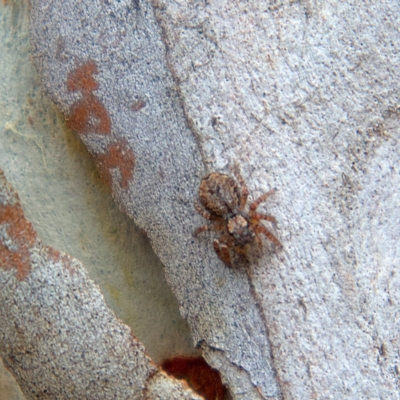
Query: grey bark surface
[304,97]
[57,336]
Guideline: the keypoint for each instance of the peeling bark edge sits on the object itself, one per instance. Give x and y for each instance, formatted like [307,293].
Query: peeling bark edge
[57,336]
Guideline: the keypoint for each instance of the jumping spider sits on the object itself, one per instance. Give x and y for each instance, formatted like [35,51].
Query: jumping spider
[223,203]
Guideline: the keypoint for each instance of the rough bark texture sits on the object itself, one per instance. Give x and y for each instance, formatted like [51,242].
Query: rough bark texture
[57,336]
[304,97]
[112,82]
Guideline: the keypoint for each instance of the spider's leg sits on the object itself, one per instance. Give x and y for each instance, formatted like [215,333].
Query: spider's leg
[262,198]
[222,250]
[259,244]
[268,234]
[244,192]
[257,216]
[200,229]
[214,226]
[204,213]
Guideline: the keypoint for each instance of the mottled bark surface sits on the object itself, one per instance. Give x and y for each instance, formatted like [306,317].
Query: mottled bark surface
[304,97]
[98,74]
[57,336]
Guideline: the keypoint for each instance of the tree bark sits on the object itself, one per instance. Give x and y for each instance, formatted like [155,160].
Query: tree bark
[303,97]
[58,337]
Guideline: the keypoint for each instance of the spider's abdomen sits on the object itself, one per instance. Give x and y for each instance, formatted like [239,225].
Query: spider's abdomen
[219,194]
[240,229]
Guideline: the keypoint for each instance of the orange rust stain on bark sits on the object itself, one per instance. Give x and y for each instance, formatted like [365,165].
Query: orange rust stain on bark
[18,238]
[118,155]
[65,259]
[89,113]
[198,374]
[82,78]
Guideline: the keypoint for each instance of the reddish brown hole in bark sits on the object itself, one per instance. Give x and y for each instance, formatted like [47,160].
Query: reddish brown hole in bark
[198,374]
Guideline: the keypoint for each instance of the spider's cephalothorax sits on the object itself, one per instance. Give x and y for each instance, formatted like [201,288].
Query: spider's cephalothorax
[224,203]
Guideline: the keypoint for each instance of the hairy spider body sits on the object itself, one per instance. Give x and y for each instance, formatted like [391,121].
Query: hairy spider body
[219,194]
[223,203]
